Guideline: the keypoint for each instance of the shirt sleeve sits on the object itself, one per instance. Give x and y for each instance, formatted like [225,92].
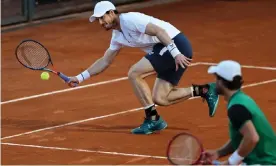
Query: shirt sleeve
[238,115]
[114,45]
[137,22]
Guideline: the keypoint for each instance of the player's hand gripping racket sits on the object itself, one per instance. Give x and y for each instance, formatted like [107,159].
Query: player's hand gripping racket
[186,149]
[35,56]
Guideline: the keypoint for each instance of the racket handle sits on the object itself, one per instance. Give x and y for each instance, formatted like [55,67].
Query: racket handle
[216,162]
[65,78]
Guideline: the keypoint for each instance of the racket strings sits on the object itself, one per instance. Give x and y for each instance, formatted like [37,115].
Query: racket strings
[184,150]
[32,55]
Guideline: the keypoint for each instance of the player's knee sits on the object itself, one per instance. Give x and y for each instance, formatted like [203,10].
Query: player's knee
[132,74]
[160,100]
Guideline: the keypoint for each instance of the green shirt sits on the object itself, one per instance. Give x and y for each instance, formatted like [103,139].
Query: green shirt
[265,151]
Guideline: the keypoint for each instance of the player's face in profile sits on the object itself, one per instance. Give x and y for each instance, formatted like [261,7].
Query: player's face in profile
[107,21]
[219,86]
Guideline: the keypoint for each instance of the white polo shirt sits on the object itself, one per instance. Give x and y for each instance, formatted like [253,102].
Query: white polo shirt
[133,26]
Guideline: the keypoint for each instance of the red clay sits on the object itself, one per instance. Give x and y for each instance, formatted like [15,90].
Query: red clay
[218,30]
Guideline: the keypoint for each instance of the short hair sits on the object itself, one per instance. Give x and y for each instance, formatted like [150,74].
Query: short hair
[232,85]
[115,11]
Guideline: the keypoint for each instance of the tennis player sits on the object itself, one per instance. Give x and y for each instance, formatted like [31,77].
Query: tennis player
[168,53]
[252,139]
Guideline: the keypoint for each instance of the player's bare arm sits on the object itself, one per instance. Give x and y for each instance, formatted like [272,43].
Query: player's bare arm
[162,35]
[248,143]
[240,118]
[250,138]
[101,64]
[225,150]
[211,155]
[97,67]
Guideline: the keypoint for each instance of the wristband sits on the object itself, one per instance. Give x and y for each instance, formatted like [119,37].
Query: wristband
[83,76]
[235,158]
[173,49]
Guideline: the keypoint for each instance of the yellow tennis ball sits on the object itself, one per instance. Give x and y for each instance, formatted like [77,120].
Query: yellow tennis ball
[45,76]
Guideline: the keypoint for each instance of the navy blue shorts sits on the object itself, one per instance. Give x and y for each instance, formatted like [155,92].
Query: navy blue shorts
[163,62]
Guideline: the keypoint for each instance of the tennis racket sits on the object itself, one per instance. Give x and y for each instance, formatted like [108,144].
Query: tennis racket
[33,55]
[186,149]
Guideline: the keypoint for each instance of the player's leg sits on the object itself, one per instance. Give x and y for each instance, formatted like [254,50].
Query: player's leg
[136,75]
[165,91]
[162,62]
[150,63]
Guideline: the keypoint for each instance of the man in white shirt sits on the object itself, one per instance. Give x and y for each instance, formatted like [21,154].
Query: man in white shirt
[168,53]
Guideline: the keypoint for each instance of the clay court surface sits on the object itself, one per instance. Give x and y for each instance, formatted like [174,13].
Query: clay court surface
[91,124]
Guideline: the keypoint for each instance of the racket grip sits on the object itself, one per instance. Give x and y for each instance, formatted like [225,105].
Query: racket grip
[216,162]
[64,77]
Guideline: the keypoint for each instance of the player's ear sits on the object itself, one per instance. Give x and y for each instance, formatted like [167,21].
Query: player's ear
[112,13]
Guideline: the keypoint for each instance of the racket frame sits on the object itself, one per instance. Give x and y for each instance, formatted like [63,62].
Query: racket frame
[61,75]
[49,57]
[180,134]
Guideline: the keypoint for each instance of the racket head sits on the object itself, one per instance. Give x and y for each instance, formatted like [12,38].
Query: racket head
[33,55]
[184,149]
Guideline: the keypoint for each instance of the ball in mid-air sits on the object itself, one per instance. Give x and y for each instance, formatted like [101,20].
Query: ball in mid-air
[45,76]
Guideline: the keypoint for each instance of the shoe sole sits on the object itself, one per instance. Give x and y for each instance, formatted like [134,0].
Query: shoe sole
[161,129]
[151,132]
[215,109]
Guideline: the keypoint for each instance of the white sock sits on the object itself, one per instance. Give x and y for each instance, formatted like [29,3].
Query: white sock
[148,106]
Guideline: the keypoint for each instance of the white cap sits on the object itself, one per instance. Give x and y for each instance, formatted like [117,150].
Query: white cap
[100,9]
[227,69]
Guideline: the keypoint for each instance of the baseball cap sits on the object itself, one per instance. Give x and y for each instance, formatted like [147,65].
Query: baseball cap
[100,9]
[226,69]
